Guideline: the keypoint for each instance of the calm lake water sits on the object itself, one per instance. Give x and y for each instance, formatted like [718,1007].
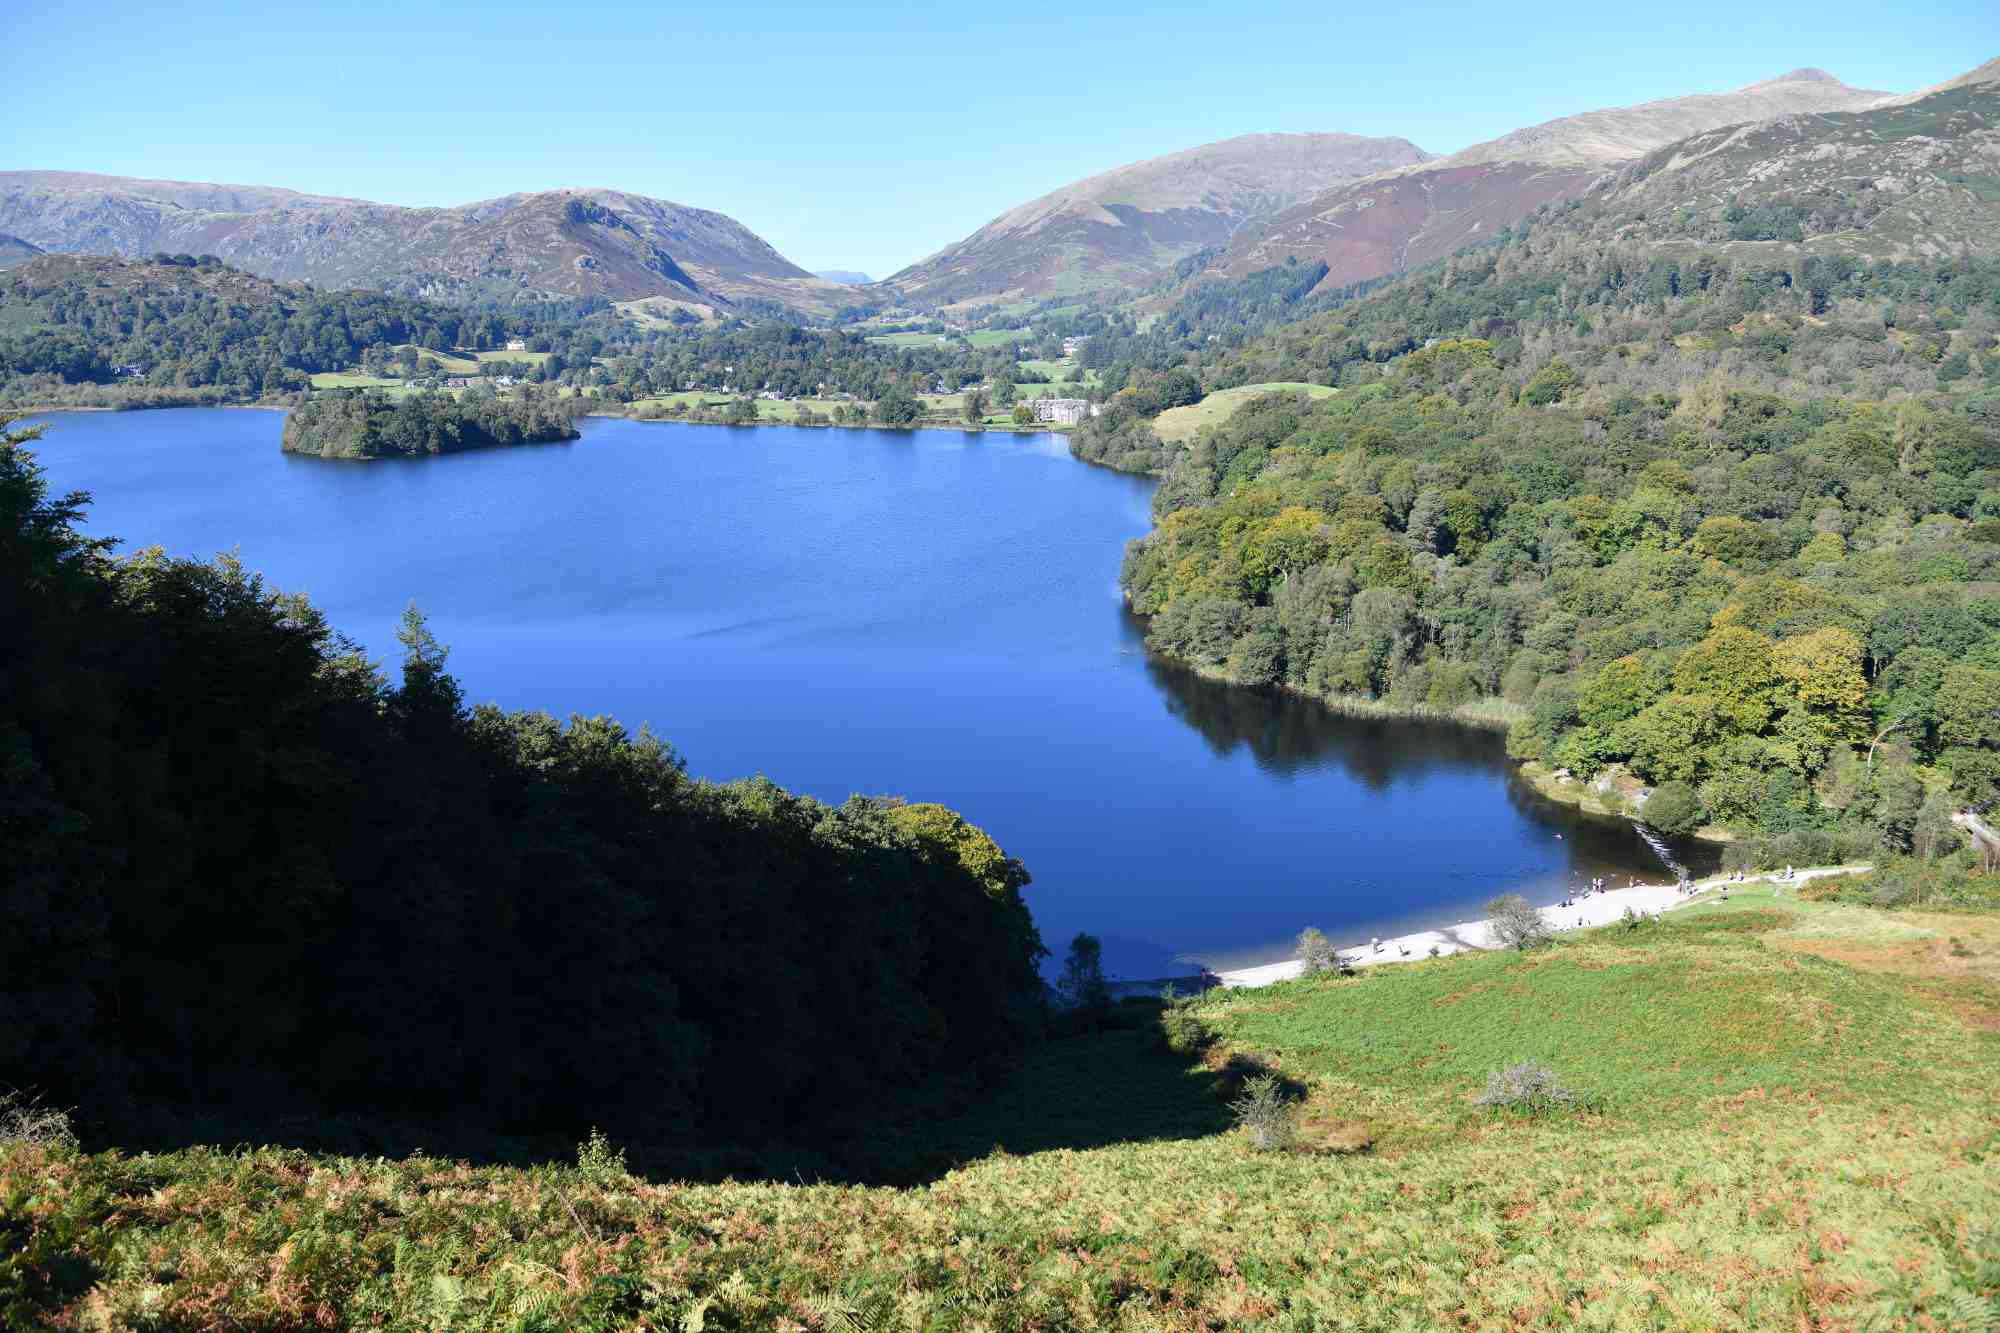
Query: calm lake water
[932,615]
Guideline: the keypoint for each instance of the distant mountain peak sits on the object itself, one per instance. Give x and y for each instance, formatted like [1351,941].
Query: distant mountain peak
[1810,74]
[1127,226]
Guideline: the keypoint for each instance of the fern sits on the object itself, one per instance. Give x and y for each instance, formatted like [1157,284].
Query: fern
[1968,1313]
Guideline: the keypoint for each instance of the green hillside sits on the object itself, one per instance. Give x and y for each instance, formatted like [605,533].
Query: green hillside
[1179,424]
[92,331]
[1762,1138]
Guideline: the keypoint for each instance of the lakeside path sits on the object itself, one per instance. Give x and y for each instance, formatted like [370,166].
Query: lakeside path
[1599,909]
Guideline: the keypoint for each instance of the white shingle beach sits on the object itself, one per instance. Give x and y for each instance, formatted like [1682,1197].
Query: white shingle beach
[1597,909]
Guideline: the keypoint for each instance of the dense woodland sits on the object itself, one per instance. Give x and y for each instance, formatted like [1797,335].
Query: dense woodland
[168,329]
[175,330]
[371,424]
[1731,526]
[245,869]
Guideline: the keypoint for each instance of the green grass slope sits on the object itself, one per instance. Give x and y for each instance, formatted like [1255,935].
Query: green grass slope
[1178,424]
[1766,1138]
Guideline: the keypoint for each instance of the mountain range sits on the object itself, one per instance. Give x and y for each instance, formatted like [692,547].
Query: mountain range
[1128,226]
[1406,217]
[553,243]
[1910,164]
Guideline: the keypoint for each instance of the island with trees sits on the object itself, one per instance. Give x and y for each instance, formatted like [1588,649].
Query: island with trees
[361,424]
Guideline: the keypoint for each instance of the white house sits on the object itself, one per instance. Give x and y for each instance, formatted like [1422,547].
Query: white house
[1063,411]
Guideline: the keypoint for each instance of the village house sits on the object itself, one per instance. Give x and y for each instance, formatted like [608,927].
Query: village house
[517,345]
[1062,411]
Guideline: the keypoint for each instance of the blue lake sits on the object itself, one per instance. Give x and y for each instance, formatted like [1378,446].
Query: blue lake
[928,614]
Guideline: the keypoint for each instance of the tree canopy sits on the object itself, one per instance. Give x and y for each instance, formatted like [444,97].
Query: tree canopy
[244,869]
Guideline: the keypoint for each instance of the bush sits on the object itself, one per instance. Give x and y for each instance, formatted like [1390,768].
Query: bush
[597,1161]
[1528,1086]
[1316,952]
[1673,808]
[1516,923]
[1181,1029]
[25,1122]
[1263,1113]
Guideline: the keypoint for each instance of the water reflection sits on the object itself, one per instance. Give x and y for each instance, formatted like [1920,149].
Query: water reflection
[1289,734]
[1547,851]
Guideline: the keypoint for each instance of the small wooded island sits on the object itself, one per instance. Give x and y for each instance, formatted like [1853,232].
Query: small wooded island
[372,424]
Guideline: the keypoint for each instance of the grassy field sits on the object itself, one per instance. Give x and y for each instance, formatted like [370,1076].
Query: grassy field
[911,339]
[456,362]
[353,379]
[996,337]
[1784,1120]
[766,409]
[1182,423]
[657,312]
[453,362]
[950,406]
[1057,371]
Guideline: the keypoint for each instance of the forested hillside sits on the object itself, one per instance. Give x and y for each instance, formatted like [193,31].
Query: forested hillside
[251,879]
[159,327]
[1724,526]
[801,362]
[177,329]
[1708,496]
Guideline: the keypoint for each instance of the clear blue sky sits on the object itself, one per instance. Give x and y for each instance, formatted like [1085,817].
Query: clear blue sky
[862,136]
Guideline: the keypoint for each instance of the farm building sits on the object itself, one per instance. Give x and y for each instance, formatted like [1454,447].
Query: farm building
[1063,411]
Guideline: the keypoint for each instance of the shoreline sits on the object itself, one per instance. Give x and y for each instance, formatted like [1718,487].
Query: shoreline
[1599,909]
[1039,428]
[42,411]
[1488,713]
